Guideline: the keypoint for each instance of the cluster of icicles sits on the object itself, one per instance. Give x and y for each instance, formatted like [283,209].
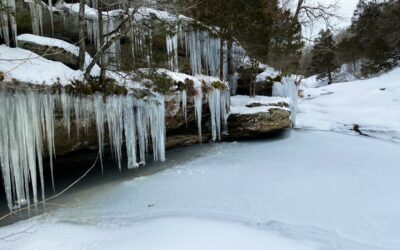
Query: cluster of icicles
[218,104]
[287,89]
[8,18]
[204,53]
[203,49]
[27,124]
[8,21]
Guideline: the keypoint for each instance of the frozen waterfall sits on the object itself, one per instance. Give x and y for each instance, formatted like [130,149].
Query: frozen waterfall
[288,89]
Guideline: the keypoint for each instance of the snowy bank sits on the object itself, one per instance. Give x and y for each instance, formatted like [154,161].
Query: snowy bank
[372,105]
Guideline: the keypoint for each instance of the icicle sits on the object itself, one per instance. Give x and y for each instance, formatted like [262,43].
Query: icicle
[66,109]
[204,53]
[225,106]
[233,83]
[184,105]
[194,47]
[141,128]
[77,109]
[198,104]
[172,52]
[51,16]
[48,111]
[5,33]
[157,127]
[214,56]
[100,119]
[219,105]
[114,109]
[130,133]
[87,111]
[21,144]
[8,21]
[37,17]
[214,104]
[5,162]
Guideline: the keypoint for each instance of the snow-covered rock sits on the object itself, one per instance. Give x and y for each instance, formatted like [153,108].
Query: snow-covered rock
[56,50]
[24,66]
[261,115]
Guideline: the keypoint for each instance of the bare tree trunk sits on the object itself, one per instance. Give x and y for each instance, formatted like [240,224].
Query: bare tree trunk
[230,62]
[298,9]
[221,60]
[82,49]
[101,45]
[252,81]
[329,76]
[99,54]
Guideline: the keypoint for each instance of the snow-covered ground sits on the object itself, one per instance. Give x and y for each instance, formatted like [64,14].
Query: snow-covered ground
[373,105]
[309,190]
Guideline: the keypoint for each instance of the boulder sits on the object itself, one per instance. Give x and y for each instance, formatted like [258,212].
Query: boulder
[249,126]
[52,53]
[256,117]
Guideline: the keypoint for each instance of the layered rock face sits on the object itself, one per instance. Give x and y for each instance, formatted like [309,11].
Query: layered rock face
[255,120]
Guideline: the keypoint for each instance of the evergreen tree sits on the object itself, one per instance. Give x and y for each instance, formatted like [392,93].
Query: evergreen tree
[375,33]
[286,43]
[249,21]
[359,10]
[323,60]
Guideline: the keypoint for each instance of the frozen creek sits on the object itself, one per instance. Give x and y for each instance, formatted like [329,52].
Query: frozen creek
[305,190]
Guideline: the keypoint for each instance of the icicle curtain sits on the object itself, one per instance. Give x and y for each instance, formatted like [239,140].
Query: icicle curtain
[8,21]
[27,126]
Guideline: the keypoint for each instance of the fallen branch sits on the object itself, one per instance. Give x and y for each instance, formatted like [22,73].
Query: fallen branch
[25,231]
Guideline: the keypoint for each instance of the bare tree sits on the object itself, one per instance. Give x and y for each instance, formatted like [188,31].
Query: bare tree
[127,22]
[82,49]
[308,13]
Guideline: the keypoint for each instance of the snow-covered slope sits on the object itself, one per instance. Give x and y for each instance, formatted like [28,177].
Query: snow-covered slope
[372,105]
